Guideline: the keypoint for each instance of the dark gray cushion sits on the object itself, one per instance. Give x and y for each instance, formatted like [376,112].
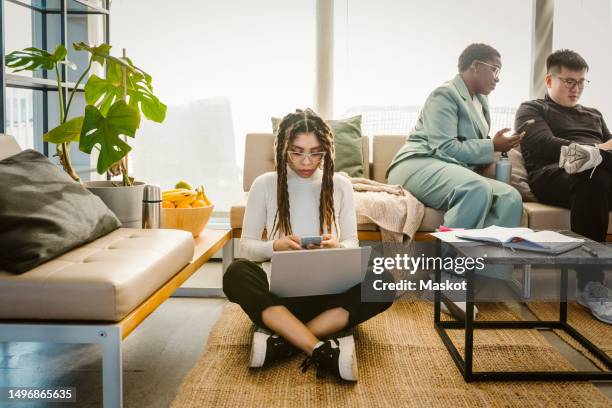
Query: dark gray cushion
[44,213]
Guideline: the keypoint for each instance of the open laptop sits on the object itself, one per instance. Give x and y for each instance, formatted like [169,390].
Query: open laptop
[317,271]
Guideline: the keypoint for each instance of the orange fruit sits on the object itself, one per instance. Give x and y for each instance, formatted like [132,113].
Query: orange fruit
[183,205]
[198,204]
[167,204]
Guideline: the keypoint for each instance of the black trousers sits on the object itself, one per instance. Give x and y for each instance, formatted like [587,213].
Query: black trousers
[588,198]
[246,283]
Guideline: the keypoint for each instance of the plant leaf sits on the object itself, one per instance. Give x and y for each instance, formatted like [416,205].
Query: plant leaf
[59,53]
[104,92]
[104,132]
[33,59]
[149,104]
[101,93]
[99,53]
[66,132]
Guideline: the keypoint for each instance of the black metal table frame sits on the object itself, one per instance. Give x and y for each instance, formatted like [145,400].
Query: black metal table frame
[465,365]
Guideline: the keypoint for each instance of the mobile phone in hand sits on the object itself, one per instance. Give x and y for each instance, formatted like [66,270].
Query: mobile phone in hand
[524,126]
[315,240]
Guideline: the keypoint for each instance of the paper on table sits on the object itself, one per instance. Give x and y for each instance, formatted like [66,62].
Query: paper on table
[551,237]
[449,236]
[495,233]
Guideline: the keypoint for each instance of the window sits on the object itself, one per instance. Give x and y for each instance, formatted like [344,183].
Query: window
[389,55]
[31,106]
[224,69]
[586,27]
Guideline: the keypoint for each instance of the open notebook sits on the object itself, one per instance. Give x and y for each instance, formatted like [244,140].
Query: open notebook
[549,242]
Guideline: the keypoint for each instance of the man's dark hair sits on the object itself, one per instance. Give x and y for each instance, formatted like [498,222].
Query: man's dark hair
[481,52]
[565,58]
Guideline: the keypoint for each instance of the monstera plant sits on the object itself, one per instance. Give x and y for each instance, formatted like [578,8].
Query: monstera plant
[114,105]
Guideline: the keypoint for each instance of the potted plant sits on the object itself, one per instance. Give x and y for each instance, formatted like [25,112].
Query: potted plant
[114,106]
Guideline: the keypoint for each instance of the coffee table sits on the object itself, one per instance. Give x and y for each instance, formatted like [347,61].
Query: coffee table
[503,256]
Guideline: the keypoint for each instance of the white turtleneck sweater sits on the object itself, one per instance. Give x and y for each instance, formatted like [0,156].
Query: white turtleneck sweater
[304,194]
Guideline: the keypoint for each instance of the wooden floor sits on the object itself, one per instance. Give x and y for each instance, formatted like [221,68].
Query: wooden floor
[156,356]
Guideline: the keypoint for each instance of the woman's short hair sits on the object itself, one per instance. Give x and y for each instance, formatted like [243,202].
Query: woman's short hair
[473,52]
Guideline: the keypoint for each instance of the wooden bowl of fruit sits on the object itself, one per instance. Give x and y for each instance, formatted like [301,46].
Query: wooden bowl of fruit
[186,209]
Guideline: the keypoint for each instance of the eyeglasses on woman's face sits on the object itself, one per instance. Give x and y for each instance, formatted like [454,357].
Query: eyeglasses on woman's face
[299,157]
[494,68]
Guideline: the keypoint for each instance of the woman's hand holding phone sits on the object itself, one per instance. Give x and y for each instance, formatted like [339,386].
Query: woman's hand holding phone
[503,143]
[287,243]
[329,242]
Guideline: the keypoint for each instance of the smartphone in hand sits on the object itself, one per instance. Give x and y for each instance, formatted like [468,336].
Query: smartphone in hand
[315,240]
[524,126]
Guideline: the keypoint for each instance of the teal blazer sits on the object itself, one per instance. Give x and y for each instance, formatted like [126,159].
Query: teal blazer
[450,129]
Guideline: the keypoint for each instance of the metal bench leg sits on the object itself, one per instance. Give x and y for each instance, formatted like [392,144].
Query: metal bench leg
[228,254]
[112,370]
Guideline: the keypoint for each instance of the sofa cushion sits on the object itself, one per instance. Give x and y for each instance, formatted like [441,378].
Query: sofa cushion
[8,146]
[383,151]
[103,280]
[543,216]
[432,218]
[348,149]
[44,213]
[259,156]
[237,215]
[237,212]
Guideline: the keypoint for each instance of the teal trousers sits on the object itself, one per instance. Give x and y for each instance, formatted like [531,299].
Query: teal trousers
[469,199]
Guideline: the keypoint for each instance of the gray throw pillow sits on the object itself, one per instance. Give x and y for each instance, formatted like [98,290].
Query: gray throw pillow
[44,213]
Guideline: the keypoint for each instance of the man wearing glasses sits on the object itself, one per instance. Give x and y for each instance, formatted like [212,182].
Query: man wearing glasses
[568,157]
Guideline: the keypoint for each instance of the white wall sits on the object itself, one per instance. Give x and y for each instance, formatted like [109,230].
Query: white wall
[585,26]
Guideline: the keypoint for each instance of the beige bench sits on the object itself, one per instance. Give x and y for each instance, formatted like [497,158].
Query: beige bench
[100,292]
[259,159]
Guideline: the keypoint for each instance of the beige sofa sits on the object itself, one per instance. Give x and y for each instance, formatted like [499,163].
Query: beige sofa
[259,159]
[96,293]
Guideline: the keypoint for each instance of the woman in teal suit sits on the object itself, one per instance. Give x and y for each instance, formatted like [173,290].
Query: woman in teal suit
[450,139]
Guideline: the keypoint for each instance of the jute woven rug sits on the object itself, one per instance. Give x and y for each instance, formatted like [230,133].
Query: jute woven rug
[579,317]
[402,363]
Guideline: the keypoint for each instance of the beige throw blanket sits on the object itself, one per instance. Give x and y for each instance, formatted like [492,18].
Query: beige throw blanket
[396,212]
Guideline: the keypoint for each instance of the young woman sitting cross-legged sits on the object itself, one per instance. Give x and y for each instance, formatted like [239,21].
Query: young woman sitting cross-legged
[303,197]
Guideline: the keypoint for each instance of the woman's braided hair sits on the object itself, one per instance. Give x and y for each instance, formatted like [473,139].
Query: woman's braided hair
[293,124]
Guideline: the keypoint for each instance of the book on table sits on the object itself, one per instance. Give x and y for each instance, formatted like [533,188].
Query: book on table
[526,239]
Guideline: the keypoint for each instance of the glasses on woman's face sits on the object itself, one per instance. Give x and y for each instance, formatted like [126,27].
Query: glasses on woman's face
[570,83]
[496,70]
[298,157]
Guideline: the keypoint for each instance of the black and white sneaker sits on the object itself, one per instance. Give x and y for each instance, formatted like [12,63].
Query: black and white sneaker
[268,347]
[336,357]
